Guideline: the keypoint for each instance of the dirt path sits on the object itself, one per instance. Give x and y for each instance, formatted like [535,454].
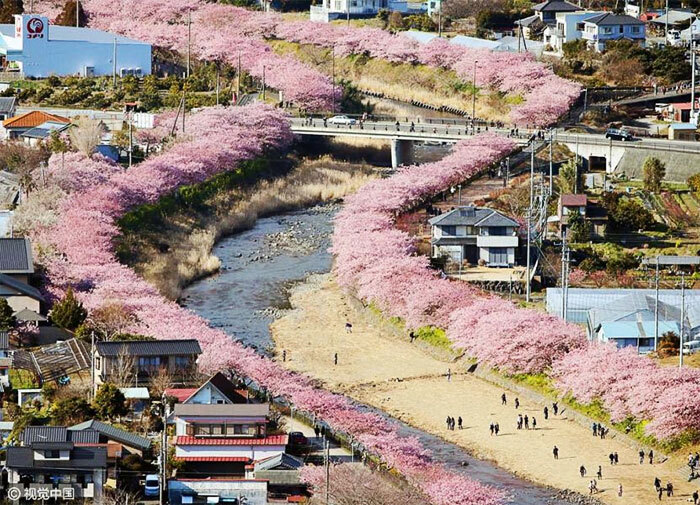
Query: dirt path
[380,369]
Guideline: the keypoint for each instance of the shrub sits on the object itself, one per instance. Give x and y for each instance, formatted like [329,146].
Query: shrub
[7,318]
[69,313]
[654,173]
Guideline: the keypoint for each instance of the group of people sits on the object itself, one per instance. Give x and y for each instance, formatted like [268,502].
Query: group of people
[494,428]
[668,488]
[599,430]
[614,458]
[641,456]
[450,422]
[524,421]
[693,462]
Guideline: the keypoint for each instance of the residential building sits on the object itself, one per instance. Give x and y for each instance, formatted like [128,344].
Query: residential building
[218,390]
[16,265]
[590,211]
[144,359]
[475,235]
[34,136]
[223,437]
[603,28]
[8,107]
[329,10]
[545,15]
[678,112]
[280,471]
[568,27]
[216,490]
[682,131]
[56,462]
[35,48]
[677,20]
[15,126]
[5,360]
[634,334]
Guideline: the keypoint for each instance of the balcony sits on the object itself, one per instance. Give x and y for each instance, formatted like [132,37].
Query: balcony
[497,241]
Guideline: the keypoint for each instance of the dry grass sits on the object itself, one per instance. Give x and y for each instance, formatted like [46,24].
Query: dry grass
[179,252]
[402,81]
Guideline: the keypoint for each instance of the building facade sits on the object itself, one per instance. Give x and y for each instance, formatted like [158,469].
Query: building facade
[607,27]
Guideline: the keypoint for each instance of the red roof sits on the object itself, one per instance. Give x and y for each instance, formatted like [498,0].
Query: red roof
[296,499]
[681,106]
[217,459]
[180,394]
[573,200]
[33,119]
[271,440]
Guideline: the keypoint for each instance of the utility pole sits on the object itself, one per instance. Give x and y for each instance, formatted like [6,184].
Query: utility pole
[459,187]
[529,216]
[510,288]
[474,97]
[439,18]
[347,11]
[666,32]
[564,277]
[550,163]
[238,74]
[164,450]
[680,364]
[327,463]
[77,13]
[692,80]
[92,363]
[656,307]
[130,117]
[333,74]
[114,66]
[189,40]
[263,83]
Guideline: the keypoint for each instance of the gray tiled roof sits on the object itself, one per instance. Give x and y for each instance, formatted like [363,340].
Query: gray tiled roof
[184,347]
[280,460]
[83,458]
[609,18]
[7,103]
[472,216]
[556,6]
[112,433]
[44,434]
[20,286]
[16,256]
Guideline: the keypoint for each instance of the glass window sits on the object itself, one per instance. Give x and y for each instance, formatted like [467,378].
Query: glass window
[230,429]
[182,361]
[449,230]
[217,429]
[52,454]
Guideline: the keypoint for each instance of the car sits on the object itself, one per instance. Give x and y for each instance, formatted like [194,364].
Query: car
[691,347]
[615,134]
[342,120]
[298,438]
[151,486]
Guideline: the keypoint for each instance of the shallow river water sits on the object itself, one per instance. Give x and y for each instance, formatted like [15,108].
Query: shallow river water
[259,265]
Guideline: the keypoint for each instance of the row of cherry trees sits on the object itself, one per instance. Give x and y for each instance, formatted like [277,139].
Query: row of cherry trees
[377,262]
[76,240]
[223,33]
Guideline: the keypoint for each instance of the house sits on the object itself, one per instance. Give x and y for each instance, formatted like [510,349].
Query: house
[8,106]
[603,28]
[677,19]
[679,112]
[590,211]
[16,265]
[545,15]
[281,473]
[5,360]
[216,490]
[129,443]
[15,126]
[34,136]
[474,235]
[635,334]
[137,398]
[568,27]
[38,49]
[329,10]
[682,131]
[144,359]
[217,390]
[56,462]
[223,438]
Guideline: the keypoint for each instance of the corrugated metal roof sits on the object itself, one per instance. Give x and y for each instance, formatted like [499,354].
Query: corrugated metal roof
[16,256]
[271,440]
[574,200]
[73,33]
[32,119]
[44,434]
[174,347]
[472,216]
[632,329]
[222,410]
[112,433]
[213,459]
[7,103]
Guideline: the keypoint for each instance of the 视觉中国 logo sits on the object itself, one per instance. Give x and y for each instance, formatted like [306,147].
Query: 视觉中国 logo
[35,28]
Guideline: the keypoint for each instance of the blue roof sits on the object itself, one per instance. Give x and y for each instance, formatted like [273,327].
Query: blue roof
[420,36]
[683,126]
[633,329]
[73,33]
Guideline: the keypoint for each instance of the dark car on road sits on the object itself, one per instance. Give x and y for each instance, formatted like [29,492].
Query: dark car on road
[615,134]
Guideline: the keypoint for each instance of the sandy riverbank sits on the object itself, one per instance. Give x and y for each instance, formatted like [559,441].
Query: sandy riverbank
[379,369]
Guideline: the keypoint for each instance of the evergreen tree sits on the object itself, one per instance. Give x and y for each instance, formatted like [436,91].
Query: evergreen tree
[9,9]
[654,173]
[7,319]
[69,313]
[109,402]
[67,15]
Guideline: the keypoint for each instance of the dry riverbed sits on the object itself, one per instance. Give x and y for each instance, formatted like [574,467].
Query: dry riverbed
[384,370]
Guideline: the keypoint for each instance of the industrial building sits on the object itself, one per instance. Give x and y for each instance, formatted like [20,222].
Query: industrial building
[34,48]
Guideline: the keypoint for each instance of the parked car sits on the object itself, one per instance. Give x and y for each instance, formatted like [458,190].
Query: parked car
[151,486]
[342,120]
[298,438]
[691,347]
[615,134]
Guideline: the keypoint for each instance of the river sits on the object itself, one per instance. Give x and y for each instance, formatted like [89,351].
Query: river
[259,265]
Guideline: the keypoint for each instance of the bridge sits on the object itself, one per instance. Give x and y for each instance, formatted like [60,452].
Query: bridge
[683,93]
[593,148]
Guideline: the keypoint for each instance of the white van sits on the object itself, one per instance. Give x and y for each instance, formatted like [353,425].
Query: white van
[152,485]
[691,347]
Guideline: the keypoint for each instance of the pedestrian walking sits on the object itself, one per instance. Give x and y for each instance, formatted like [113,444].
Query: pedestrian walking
[555,452]
[520,421]
[348,327]
[335,358]
[447,422]
[696,497]
[459,422]
[641,456]
[619,490]
[534,423]
[669,489]
[582,470]
[590,487]
[317,430]
[412,336]
[546,413]
[517,403]
[555,408]
[661,492]
[657,483]
[611,457]
[504,400]
[449,375]
[527,422]
[496,429]
[594,428]
[599,473]
[492,428]
[651,456]
[617,458]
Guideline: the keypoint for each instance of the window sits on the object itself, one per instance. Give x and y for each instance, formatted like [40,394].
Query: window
[498,255]
[635,29]
[149,361]
[53,454]
[579,26]
[497,230]
[607,30]
[449,230]
[183,361]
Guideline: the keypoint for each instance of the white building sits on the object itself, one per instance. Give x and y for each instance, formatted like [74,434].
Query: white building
[38,49]
[340,9]
[569,27]
[213,490]
[474,234]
